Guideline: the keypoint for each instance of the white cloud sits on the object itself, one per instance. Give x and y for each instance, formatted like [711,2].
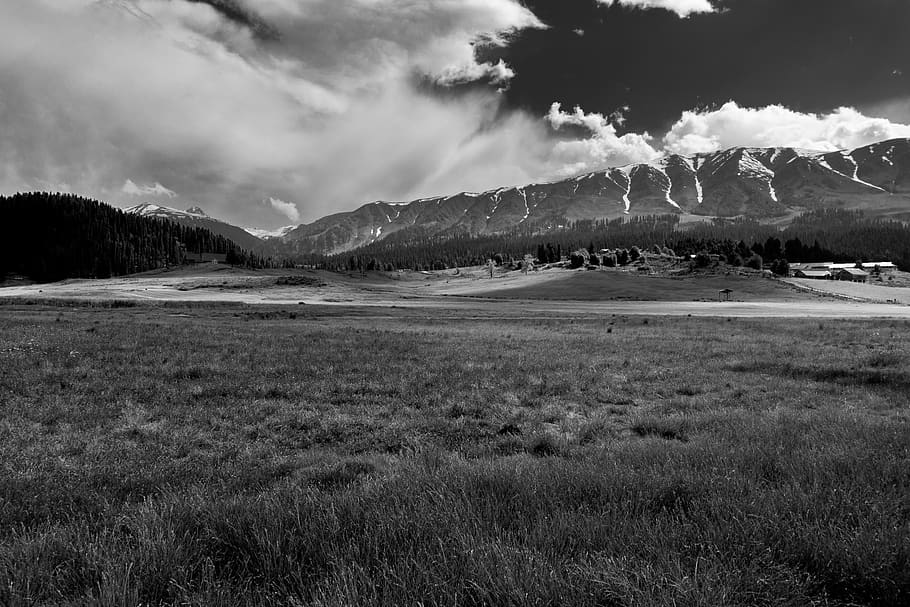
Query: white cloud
[603,148]
[683,8]
[132,189]
[777,126]
[288,209]
[95,92]
[140,92]
[494,73]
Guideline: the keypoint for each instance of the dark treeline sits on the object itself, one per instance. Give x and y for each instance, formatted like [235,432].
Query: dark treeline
[411,249]
[824,235]
[48,236]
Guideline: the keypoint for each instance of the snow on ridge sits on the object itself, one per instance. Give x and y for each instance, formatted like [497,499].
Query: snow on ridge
[524,197]
[669,190]
[147,209]
[262,233]
[855,177]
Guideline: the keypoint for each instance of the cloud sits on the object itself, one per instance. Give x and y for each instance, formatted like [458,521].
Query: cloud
[603,148]
[777,126]
[494,73]
[328,113]
[326,108]
[132,189]
[288,209]
[683,8]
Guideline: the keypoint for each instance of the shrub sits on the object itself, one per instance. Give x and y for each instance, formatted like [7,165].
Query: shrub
[702,259]
[781,267]
[755,262]
[579,258]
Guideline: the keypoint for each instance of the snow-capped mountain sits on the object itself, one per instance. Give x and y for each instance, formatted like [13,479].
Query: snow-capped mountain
[267,234]
[147,209]
[765,183]
[196,217]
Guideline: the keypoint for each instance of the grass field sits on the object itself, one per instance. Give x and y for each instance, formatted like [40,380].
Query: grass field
[617,285]
[226,455]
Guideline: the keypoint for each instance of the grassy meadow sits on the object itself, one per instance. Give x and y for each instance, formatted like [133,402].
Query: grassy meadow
[230,455]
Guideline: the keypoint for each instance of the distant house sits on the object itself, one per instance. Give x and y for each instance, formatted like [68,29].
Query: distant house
[852,274]
[206,258]
[882,267]
[813,274]
[873,267]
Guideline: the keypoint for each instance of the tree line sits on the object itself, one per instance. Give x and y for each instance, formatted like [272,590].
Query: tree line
[52,236]
[820,235]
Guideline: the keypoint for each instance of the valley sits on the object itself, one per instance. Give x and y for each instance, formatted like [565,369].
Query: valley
[545,293]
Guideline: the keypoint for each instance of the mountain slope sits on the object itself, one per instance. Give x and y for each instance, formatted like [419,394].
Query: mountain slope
[196,218]
[764,183]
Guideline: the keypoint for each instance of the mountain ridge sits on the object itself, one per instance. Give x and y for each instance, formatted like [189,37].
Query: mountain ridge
[196,217]
[765,183]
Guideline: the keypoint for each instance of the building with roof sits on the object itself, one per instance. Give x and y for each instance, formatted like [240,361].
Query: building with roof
[852,274]
[813,274]
[870,267]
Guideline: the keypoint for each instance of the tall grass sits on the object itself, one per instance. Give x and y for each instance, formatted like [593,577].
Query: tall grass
[224,460]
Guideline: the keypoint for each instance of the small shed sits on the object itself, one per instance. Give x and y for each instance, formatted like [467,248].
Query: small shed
[724,294]
[853,275]
[813,274]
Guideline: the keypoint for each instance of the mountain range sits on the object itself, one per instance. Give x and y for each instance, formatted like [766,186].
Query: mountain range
[770,184]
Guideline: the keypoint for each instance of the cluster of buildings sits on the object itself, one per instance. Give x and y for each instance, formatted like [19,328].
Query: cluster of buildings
[841,271]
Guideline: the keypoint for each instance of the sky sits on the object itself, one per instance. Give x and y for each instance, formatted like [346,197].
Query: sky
[274,112]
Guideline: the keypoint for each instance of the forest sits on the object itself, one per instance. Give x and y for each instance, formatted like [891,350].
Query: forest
[821,235]
[53,236]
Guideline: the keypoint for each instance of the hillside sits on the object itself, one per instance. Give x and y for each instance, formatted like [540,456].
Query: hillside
[50,237]
[197,218]
[769,184]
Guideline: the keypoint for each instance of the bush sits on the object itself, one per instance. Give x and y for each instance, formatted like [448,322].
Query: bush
[634,254]
[781,267]
[579,258]
[755,262]
[702,259]
[622,257]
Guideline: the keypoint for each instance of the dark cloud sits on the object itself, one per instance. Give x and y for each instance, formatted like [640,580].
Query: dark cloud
[810,55]
[241,15]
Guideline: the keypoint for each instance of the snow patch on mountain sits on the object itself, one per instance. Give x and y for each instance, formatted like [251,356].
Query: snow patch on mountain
[264,234]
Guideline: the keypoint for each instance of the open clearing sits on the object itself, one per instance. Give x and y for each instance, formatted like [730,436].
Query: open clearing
[552,292]
[617,285]
[225,454]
